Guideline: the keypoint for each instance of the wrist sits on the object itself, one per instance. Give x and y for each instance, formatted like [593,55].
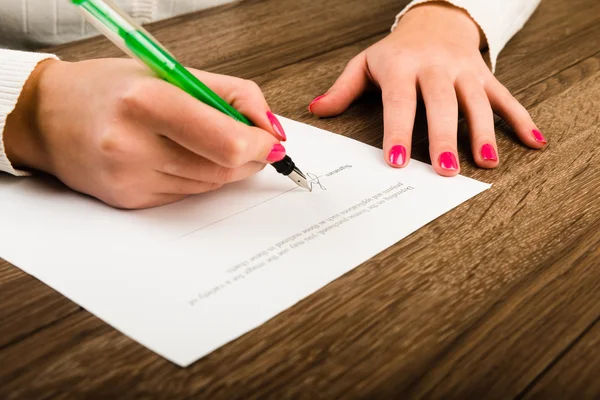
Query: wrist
[22,136]
[445,18]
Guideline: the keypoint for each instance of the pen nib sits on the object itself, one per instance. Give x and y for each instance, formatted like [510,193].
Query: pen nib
[298,177]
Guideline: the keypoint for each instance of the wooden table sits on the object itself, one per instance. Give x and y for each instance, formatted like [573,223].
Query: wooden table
[498,298]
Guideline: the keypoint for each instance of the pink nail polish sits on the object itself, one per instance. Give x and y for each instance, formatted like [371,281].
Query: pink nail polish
[398,155]
[538,136]
[277,153]
[488,152]
[312,103]
[448,161]
[276,126]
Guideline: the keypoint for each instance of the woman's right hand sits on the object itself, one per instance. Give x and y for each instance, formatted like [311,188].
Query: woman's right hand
[110,129]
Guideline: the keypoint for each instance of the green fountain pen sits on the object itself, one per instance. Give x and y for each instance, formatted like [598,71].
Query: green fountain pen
[119,28]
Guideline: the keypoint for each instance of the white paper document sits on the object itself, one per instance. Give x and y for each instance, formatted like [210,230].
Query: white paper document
[186,278]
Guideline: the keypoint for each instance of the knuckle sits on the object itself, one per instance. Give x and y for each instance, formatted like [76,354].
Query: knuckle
[134,96]
[128,199]
[482,118]
[438,65]
[188,187]
[440,94]
[172,167]
[398,99]
[112,144]
[521,114]
[477,105]
[405,57]
[234,151]
[505,99]
[500,91]
[115,180]
[120,193]
[225,175]
[359,61]
[214,186]
[251,86]
[207,187]
[442,142]
[505,94]
[476,96]
[440,97]
[127,203]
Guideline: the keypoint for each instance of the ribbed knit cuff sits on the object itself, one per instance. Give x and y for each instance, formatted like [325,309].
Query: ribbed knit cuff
[15,69]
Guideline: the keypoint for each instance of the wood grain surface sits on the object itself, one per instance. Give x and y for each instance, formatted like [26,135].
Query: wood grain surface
[499,298]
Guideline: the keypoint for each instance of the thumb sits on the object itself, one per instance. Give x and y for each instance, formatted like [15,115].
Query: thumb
[348,87]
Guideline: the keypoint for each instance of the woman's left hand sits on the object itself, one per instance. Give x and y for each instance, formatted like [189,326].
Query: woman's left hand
[434,52]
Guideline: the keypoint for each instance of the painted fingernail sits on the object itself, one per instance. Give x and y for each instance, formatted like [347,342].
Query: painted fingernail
[312,103]
[537,135]
[277,153]
[276,125]
[397,155]
[488,152]
[448,161]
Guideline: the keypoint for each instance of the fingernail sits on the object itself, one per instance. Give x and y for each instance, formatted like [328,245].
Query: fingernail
[312,103]
[448,161]
[397,155]
[277,153]
[276,125]
[538,136]
[488,152]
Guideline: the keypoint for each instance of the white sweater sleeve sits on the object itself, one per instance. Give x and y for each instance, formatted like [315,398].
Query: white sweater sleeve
[498,19]
[15,69]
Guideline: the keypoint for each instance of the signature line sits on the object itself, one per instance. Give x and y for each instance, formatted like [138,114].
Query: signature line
[237,213]
[314,180]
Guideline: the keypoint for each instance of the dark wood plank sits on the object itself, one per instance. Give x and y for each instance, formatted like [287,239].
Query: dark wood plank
[40,351]
[404,321]
[248,38]
[560,34]
[42,304]
[559,82]
[575,376]
[390,325]
[9,273]
[525,330]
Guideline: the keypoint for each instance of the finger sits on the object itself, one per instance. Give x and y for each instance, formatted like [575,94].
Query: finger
[172,159]
[246,97]
[175,185]
[399,95]
[200,128]
[474,103]
[157,200]
[140,199]
[442,119]
[348,87]
[509,109]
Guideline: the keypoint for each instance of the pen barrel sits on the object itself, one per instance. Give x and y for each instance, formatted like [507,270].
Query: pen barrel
[167,68]
[109,20]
